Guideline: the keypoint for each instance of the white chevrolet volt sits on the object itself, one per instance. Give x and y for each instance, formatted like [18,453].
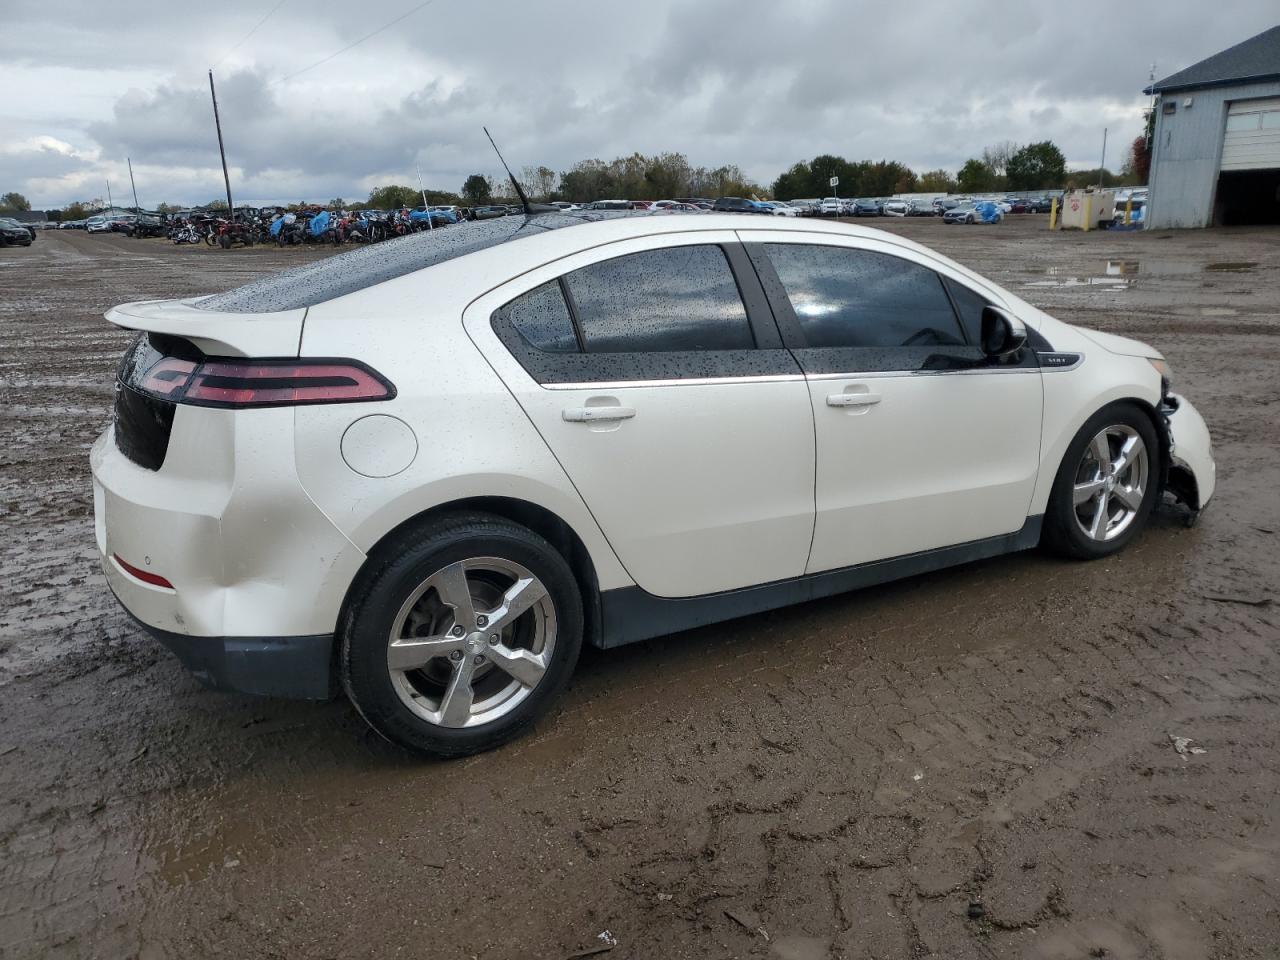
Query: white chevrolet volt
[426,472]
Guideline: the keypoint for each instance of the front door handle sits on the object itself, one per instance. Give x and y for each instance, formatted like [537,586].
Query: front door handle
[852,399]
[597,414]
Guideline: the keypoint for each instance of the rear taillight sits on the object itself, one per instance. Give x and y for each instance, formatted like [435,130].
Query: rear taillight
[229,382]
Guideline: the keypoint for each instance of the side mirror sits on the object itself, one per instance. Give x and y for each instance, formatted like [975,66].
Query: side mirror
[1003,334]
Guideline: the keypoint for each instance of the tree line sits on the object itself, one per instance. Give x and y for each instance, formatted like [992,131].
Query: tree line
[1004,166]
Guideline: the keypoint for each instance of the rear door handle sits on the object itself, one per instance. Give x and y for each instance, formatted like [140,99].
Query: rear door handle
[852,399]
[597,414]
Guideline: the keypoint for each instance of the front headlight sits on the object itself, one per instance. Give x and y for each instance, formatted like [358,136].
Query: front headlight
[1166,374]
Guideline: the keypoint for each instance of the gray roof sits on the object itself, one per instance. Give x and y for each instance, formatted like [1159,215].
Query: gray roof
[345,273]
[1257,58]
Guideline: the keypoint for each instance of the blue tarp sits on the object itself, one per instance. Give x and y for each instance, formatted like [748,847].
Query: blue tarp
[987,211]
[320,223]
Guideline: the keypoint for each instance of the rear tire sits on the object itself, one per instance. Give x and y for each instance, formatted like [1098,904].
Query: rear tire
[1121,484]
[461,632]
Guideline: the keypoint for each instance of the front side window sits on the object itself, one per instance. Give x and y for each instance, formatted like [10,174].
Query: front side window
[847,298]
[671,300]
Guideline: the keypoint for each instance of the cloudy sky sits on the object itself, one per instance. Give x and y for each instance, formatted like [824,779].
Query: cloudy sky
[759,83]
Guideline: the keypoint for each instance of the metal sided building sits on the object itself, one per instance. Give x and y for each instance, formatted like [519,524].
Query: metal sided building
[1216,152]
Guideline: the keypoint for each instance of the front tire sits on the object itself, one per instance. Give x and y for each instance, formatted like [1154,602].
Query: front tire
[461,635]
[1106,486]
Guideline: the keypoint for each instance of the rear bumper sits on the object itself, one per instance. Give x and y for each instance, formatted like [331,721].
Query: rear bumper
[299,668]
[222,556]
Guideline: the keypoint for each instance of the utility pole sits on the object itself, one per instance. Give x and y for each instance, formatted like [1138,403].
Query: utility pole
[425,206]
[110,204]
[136,210]
[1103,165]
[231,211]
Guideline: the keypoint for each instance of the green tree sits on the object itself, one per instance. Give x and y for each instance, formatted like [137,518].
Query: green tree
[76,211]
[476,189]
[14,201]
[936,181]
[975,177]
[1091,178]
[539,182]
[792,184]
[393,196]
[1037,166]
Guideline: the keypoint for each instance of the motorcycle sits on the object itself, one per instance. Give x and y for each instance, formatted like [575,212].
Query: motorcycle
[185,233]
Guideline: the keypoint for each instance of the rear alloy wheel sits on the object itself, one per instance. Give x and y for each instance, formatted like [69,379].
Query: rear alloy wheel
[1106,487]
[466,636]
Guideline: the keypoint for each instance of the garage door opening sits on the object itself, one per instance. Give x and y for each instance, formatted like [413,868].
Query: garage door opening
[1247,198]
[1249,182]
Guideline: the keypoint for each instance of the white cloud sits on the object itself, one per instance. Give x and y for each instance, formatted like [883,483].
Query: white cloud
[753,82]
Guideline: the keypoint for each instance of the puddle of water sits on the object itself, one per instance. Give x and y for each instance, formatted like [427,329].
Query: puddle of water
[1231,266]
[1113,282]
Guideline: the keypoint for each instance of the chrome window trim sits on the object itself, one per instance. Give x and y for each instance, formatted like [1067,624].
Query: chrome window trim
[782,378]
[872,374]
[686,382]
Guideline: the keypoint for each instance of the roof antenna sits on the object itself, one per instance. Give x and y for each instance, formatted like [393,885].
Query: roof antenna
[529,208]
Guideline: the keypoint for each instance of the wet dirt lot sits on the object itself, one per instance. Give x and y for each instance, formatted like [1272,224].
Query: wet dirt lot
[975,763]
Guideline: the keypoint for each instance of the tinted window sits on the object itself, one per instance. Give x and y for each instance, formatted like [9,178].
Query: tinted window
[674,299]
[542,318]
[858,298]
[969,305]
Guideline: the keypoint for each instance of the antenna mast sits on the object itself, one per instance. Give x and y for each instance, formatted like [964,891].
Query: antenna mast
[524,201]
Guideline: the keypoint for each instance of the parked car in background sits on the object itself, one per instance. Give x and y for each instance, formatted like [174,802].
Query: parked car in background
[974,211]
[632,374]
[922,208]
[867,208]
[15,234]
[830,207]
[779,209]
[896,208]
[736,205]
[98,224]
[28,227]
[148,225]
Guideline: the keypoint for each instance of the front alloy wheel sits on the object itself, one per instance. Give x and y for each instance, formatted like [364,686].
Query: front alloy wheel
[1111,482]
[1106,486]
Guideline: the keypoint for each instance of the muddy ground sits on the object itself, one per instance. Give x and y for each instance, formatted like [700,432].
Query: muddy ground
[971,764]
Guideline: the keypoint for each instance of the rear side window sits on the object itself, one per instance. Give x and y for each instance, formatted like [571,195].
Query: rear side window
[859,298]
[542,318]
[676,299]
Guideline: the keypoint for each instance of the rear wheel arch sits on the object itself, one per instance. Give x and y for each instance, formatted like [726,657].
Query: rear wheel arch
[546,524]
